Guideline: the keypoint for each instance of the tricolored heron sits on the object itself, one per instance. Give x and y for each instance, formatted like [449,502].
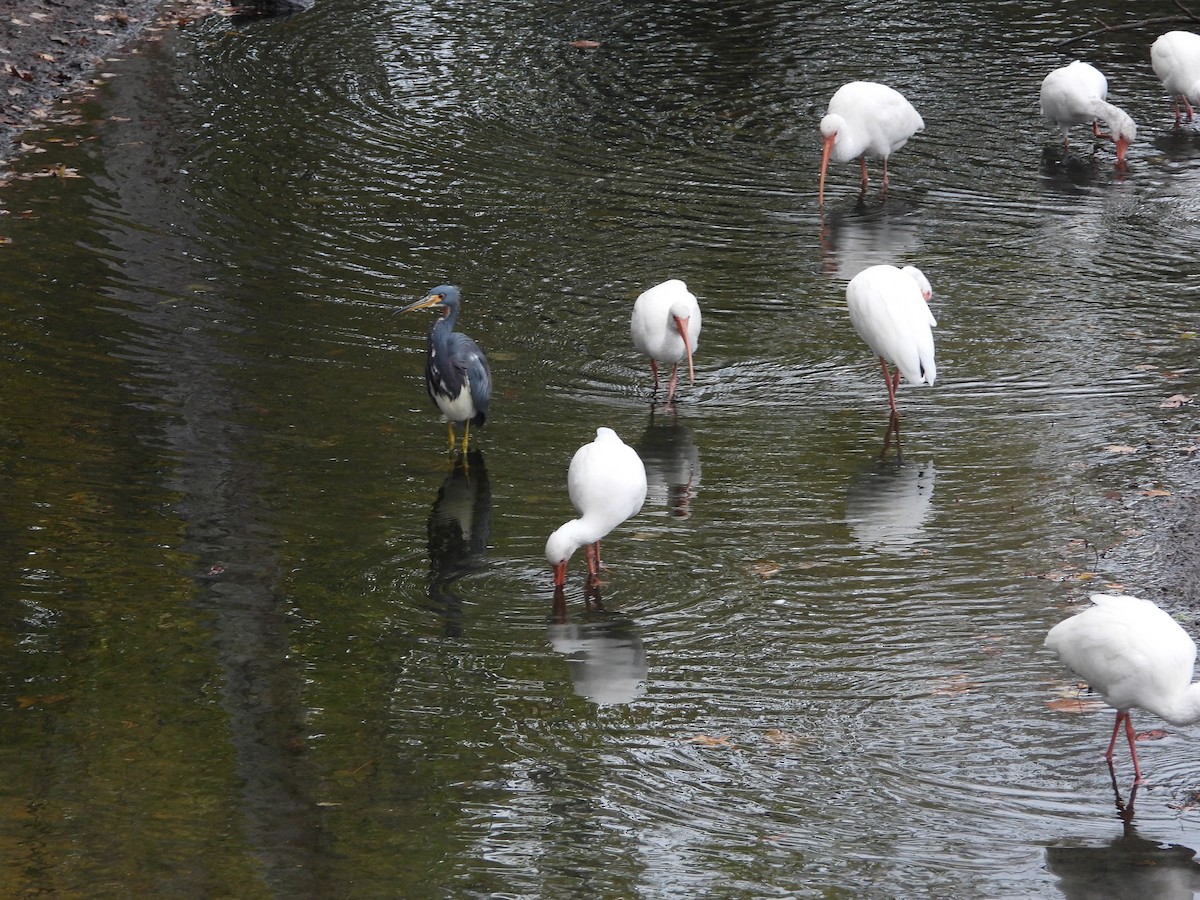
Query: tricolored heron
[889,309]
[865,118]
[457,375]
[1131,653]
[607,484]
[666,327]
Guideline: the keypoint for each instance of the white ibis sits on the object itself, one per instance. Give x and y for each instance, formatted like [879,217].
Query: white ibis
[666,327]
[457,374]
[607,484]
[864,119]
[1175,58]
[889,309]
[1077,95]
[1133,654]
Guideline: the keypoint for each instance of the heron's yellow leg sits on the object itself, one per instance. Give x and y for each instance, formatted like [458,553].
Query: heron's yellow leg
[450,432]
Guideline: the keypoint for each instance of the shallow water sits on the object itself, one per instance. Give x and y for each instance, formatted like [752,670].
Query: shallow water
[262,639]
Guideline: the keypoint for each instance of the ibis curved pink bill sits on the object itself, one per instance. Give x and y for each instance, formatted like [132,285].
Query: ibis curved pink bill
[665,326]
[865,118]
[1077,94]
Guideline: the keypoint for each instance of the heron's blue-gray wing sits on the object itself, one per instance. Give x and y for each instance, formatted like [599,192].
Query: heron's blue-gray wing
[469,357]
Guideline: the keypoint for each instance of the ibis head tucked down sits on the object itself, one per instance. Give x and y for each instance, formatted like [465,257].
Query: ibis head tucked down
[1078,95]
[864,119]
[1131,653]
[1175,58]
[607,484]
[666,327]
[457,375]
[889,308]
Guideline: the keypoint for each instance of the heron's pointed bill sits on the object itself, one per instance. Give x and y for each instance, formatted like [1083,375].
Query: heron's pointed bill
[681,322]
[424,303]
[825,151]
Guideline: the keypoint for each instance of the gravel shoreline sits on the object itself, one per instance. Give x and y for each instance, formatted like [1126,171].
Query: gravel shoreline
[52,49]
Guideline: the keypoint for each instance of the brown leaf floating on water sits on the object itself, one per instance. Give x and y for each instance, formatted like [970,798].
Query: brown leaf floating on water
[764,568]
[955,685]
[40,700]
[1069,701]
[584,44]
[786,738]
[707,740]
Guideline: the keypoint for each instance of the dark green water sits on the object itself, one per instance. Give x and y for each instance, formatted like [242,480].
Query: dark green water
[259,638]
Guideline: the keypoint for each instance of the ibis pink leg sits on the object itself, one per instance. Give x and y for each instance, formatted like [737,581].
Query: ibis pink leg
[1123,716]
[671,384]
[1187,105]
[862,161]
[885,174]
[891,383]
[592,551]
[654,372]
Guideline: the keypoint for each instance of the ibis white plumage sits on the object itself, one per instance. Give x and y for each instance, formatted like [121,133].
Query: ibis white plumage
[607,484]
[1077,94]
[1131,653]
[889,308]
[865,118]
[666,327]
[1175,58]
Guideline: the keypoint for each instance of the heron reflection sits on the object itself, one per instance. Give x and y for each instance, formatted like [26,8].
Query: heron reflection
[460,525]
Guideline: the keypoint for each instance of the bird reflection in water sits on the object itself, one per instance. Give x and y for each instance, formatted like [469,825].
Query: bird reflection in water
[1129,866]
[672,463]
[887,504]
[460,525]
[858,238]
[605,655]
